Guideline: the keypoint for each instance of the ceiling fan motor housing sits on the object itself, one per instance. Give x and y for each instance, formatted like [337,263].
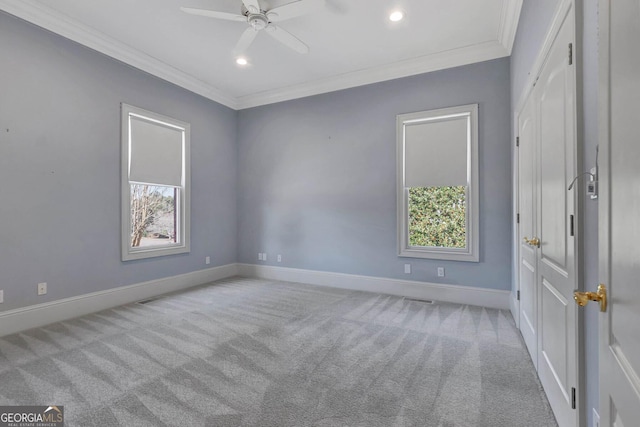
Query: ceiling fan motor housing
[258,21]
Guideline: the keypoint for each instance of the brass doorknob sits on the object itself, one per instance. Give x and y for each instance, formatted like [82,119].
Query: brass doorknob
[582,298]
[532,242]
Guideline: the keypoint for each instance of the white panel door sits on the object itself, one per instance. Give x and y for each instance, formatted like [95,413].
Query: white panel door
[556,279]
[526,229]
[619,215]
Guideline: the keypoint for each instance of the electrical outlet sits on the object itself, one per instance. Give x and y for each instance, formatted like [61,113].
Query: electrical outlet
[440,271]
[279,258]
[264,256]
[1,296]
[42,288]
[407,268]
[207,260]
[259,256]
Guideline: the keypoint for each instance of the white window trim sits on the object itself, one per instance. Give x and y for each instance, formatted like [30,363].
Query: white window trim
[472,251]
[183,206]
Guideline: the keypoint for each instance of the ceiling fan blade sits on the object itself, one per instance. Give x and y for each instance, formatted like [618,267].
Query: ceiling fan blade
[292,10]
[287,39]
[252,5]
[245,40]
[214,14]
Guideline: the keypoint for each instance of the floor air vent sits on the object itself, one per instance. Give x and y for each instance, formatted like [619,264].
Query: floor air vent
[147,301]
[424,301]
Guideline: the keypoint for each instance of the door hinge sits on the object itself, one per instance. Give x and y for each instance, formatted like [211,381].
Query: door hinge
[573,398]
[570,53]
[518,218]
[571,224]
[517,141]
[518,295]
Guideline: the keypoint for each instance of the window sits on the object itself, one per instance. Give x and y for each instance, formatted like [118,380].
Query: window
[155,184]
[437,189]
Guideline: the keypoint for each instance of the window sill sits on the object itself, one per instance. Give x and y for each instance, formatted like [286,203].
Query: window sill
[129,255]
[442,254]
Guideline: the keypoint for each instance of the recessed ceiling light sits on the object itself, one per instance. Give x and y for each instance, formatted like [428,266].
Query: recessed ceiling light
[396,16]
[241,61]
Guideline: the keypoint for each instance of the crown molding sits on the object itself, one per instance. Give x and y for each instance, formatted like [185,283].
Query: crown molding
[509,23]
[72,29]
[438,61]
[58,23]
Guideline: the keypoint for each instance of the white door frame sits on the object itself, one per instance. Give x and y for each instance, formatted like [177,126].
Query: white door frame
[536,69]
[527,220]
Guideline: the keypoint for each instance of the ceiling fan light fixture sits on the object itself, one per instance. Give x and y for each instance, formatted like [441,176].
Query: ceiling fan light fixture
[258,22]
[242,61]
[263,19]
[396,15]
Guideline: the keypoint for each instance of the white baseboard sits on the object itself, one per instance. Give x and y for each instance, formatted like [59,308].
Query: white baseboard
[34,316]
[514,306]
[491,298]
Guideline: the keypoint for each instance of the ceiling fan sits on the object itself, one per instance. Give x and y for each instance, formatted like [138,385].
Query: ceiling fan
[261,19]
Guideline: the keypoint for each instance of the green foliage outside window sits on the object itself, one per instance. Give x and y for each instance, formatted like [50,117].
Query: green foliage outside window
[437,217]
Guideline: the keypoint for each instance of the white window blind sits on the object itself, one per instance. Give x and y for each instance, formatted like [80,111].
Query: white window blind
[156,153]
[436,152]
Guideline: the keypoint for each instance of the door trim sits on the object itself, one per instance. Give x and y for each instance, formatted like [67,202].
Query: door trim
[514,301]
[562,10]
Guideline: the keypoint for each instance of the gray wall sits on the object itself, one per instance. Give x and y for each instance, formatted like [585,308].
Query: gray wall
[60,169]
[317,177]
[535,20]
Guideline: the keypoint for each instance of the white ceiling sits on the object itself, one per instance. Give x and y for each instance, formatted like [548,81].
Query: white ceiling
[352,42]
